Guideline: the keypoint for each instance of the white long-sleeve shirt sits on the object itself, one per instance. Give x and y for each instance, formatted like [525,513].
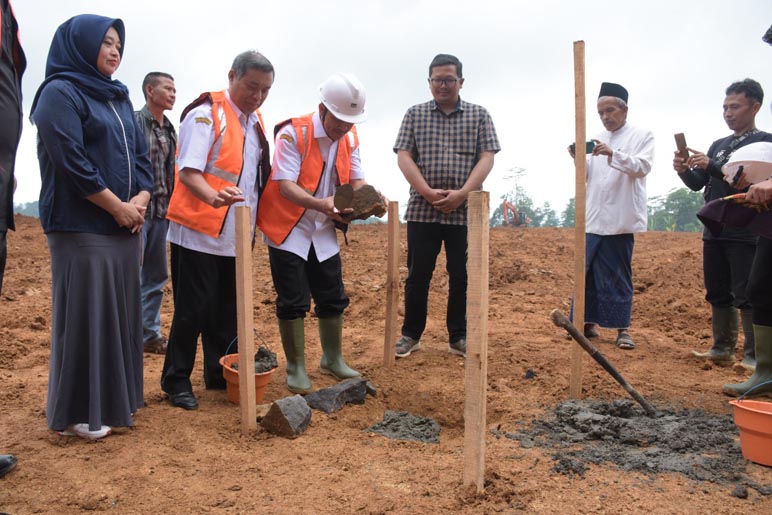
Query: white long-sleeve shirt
[616,187]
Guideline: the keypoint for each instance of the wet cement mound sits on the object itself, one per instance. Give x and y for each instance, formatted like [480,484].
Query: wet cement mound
[701,446]
[401,425]
[265,360]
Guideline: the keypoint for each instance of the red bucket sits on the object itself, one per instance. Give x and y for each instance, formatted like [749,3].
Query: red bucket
[754,419]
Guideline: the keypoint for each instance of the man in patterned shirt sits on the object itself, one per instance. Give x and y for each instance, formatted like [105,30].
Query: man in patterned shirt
[445,149]
[161,138]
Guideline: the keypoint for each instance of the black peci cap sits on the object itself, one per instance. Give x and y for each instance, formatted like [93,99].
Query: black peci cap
[609,89]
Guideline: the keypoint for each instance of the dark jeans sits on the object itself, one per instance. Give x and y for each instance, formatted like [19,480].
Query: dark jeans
[424,241]
[760,283]
[296,280]
[726,266]
[204,287]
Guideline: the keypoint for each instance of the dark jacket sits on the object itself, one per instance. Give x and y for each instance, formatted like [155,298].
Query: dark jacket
[12,66]
[84,146]
[712,179]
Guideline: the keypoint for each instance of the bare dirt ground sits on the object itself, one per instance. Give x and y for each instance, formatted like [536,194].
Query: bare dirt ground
[176,461]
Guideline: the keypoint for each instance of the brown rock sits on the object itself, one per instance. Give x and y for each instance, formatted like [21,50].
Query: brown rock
[367,202]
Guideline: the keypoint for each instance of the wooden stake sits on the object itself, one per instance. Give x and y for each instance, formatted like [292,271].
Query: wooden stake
[392,285]
[575,382]
[476,372]
[245,316]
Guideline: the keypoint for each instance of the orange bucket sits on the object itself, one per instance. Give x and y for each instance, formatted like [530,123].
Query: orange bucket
[754,419]
[232,379]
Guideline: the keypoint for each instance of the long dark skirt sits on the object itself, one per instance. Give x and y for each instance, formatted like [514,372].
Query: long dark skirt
[609,280]
[95,374]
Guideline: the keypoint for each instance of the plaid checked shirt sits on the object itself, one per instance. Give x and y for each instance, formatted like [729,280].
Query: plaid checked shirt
[162,147]
[445,148]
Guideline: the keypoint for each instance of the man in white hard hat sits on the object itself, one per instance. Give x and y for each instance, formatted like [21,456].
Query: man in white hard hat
[727,258]
[314,154]
[759,281]
[759,195]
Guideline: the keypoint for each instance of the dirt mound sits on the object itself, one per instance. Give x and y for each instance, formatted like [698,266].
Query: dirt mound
[177,461]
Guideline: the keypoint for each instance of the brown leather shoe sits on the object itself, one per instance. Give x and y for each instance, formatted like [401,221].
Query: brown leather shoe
[156,345]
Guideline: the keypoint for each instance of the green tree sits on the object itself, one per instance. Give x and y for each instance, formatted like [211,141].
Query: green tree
[677,211]
[547,216]
[29,209]
[568,219]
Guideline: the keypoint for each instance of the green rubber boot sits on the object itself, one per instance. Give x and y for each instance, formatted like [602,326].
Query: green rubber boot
[331,336]
[749,347]
[763,372]
[293,340]
[724,323]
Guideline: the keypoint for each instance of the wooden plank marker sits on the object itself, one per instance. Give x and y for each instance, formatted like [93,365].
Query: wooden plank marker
[392,285]
[476,371]
[245,316]
[575,381]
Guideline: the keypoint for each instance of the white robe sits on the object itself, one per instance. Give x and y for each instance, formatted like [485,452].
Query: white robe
[616,187]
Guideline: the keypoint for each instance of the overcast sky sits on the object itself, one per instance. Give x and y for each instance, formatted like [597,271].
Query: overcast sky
[676,59]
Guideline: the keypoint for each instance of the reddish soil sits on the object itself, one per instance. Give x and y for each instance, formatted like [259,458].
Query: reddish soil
[176,461]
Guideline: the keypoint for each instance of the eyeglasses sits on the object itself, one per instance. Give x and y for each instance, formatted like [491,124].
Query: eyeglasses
[444,82]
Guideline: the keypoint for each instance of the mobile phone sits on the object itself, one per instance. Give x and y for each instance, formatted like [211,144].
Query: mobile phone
[588,147]
[680,142]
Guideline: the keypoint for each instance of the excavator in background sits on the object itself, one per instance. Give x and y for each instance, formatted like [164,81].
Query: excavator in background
[518,220]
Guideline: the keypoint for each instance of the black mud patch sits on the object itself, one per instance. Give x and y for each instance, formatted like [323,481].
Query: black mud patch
[401,425]
[701,446]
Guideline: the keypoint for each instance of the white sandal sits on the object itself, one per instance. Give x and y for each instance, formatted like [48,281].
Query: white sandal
[82,431]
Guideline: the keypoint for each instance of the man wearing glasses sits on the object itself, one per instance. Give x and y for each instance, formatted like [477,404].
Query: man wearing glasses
[445,149]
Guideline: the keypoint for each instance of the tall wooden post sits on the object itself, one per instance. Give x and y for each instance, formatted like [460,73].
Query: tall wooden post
[392,285]
[245,319]
[575,382]
[476,371]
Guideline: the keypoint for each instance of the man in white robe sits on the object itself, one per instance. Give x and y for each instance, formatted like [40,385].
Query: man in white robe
[616,209]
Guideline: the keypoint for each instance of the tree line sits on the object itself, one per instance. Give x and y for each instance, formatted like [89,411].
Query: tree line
[675,211]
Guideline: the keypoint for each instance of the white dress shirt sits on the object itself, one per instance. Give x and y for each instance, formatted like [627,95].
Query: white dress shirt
[195,141]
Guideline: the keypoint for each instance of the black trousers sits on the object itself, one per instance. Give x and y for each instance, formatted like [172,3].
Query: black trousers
[204,287]
[424,241]
[760,283]
[297,280]
[726,266]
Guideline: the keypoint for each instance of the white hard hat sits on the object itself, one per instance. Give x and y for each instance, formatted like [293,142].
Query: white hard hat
[344,96]
[755,159]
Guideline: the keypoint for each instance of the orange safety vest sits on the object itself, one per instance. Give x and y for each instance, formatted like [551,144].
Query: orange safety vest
[224,166]
[277,216]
